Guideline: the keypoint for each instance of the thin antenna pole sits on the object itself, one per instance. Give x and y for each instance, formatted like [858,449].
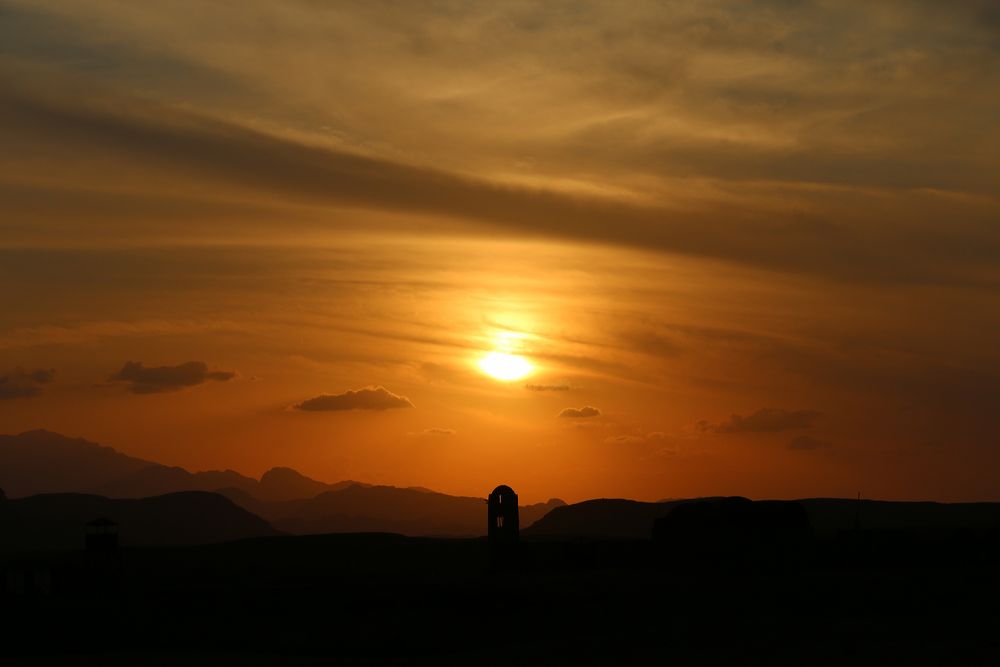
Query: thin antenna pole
[857,517]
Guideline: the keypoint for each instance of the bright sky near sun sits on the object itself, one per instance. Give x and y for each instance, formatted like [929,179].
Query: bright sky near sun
[643,249]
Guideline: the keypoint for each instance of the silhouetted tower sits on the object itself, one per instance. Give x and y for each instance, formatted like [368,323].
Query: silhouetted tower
[102,536]
[104,559]
[503,516]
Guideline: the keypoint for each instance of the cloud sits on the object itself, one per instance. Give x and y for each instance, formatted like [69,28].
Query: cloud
[435,432]
[625,439]
[805,442]
[20,383]
[185,150]
[157,379]
[580,413]
[369,398]
[547,387]
[647,447]
[765,420]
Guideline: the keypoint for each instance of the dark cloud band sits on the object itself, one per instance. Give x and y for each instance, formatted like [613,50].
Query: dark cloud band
[157,379]
[765,420]
[19,383]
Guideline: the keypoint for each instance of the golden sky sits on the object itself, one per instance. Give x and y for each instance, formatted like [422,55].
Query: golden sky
[738,247]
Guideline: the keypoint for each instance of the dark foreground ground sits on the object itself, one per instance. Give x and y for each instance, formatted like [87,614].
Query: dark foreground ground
[364,599]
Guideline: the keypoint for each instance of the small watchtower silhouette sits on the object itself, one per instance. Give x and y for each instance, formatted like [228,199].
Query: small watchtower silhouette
[101,536]
[503,516]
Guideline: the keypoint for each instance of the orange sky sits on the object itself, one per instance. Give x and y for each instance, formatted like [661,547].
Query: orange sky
[760,239]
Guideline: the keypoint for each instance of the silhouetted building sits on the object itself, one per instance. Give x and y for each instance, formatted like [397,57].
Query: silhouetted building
[103,558]
[735,530]
[503,516]
[102,536]
[25,578]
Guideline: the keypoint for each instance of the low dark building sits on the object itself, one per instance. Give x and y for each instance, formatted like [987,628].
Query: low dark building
[103,558]
[735,531]
[503,516]
[101,535]
[27,578]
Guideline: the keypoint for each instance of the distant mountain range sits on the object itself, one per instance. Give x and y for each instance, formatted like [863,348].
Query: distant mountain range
[79,478]
[46,462]
[43,462]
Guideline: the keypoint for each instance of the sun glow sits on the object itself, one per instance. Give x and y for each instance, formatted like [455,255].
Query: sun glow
[506,367]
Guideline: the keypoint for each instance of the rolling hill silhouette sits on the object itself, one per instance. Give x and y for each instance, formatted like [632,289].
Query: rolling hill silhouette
[56,521]
[629,519]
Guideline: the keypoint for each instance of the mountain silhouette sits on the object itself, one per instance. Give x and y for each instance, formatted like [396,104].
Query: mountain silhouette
[830,516]
[39,462]
[46,462]
[629,519]
[289,484]
[735,530]
[367,508]
[158,479]
[601,518]
[56,521]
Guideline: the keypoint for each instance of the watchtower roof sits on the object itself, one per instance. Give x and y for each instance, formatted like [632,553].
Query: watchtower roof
[103,522]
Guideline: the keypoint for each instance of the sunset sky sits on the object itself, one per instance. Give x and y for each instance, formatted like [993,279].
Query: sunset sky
[717,247]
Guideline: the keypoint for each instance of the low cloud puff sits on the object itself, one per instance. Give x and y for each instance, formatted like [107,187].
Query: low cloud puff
[806,443]
[369,398]
[435,432]
[547,387]
[157,379]
[20,383]
[765,420]
[580,413]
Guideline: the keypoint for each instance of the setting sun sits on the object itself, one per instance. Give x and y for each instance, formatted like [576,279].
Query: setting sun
[506,367]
